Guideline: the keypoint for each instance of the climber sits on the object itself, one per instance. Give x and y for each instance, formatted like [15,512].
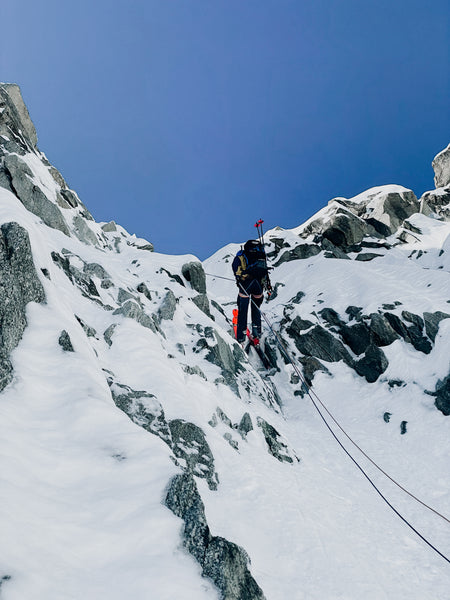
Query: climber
[251,273]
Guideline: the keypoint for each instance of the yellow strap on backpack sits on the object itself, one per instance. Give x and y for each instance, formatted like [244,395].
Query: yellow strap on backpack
[240,272]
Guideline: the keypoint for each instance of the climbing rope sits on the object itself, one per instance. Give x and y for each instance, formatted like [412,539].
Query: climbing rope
[315,400]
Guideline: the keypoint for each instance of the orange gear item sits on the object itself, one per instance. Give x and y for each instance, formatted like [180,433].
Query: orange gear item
[235,320]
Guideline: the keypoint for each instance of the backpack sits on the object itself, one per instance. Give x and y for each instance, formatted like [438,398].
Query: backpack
[250,263]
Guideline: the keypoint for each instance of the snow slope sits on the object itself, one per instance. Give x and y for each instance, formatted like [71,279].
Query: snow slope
[90,419]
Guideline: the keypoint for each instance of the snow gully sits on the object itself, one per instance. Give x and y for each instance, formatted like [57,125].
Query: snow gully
[311,393]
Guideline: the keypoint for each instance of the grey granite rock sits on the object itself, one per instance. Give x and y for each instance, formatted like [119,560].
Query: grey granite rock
[109,227]
[65,342]
[202,302]
[124,295]
[381,330]
[31,195]
[189,444]
[310,365]
[143,289]
[245,425]
[332,251]
[89,331]
[412,333]
[357,337]
[345,230]
[373,364]
[70,197]
[195,274]
[83,232]
[229,359]
[276,446]
[132,310]
[389,209]
[142,408]
[76,276]
[367,256]
[168,306]
[15,119]
[441,166]
[194,370]
[300,252]
[442,395]
[224,562]
[19,285]
[436,202]
[432,321]
[95,270]
[323,345]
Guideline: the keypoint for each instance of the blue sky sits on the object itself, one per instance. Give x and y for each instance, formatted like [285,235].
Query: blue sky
[187,120]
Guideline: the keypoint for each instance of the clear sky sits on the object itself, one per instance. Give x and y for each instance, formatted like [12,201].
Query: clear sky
[187,120]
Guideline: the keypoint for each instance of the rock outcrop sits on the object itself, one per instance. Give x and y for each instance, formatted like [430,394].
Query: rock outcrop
[224,562]
[16,127]
[19,285]
[441,166]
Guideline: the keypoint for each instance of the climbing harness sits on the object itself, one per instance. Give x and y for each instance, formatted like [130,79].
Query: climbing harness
[316,401]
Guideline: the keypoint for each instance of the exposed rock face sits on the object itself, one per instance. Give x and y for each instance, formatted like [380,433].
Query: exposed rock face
[21,184]
[132,310]
[168,306]
[365,338]
[225,563]
[187,441]
[18,142]
[84,232]
[65,342]
[373,364]
[142,408]
[322,344]
[345,230]
[391,209]
[441,166]
[276,446]
[220,354]
[442,394]
[80,278]
[299,252]
[194,273]
[432,321]
[189,444]
[349,225]
[382,332]
[19,284]
[19,137]
[410,333]
[437,202]
[15,122]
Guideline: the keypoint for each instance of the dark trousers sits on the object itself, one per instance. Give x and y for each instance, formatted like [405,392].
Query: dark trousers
[251,289]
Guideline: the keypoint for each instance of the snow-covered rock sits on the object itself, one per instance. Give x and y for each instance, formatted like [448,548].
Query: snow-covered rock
[441,166]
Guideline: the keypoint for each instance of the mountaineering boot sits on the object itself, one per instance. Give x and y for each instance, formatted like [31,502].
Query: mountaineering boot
[256,332]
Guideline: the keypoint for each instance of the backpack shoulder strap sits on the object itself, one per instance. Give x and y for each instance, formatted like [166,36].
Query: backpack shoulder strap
[240,272]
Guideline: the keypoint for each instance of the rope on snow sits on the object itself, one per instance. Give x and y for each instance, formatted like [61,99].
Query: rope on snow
[315,400]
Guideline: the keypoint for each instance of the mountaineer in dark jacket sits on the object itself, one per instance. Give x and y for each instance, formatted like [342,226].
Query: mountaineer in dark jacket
[251,273]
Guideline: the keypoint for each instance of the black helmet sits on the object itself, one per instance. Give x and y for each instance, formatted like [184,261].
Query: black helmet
[252,245]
